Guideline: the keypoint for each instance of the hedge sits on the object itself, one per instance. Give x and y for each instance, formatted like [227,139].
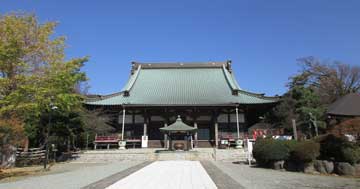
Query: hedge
[338,149]
[327,147]
[267,151]
[305,151]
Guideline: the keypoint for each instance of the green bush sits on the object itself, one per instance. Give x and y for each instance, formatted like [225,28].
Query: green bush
[338,149]
[290,144]
[351,154]
[267,151]
[305,151]
[331,147]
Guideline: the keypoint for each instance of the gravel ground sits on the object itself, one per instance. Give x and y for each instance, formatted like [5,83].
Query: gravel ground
[259,178]
[70,175]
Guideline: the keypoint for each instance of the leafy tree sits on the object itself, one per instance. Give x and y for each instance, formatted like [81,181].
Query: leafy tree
[329,80]
[310,92]
[11,131]
[35,74]
[298,103]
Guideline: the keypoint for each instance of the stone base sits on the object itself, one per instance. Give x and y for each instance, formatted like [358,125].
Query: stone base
[122,148]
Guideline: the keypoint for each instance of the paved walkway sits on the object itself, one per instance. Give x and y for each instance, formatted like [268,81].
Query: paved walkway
[177,175]
[168,174]
[70,176]
[259,178]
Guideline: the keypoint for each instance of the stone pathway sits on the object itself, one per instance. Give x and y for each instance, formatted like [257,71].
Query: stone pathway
[259,178]
[70,176]
[177,175]
[168,174]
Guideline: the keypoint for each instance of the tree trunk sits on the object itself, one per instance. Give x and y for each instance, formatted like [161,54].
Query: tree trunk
[8,156]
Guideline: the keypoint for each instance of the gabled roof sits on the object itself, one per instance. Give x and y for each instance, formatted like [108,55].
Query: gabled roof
[182,84]
[348,105]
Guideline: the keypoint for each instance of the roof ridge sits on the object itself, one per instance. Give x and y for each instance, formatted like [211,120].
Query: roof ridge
[171,65]
[207,62]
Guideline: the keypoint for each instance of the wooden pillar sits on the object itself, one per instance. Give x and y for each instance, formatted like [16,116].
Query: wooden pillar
[133,124]
[95,144]
[195,135]
[170,144]
[166,120]
[237,123]
[294,129]
[165,137]
[123,124]
[145,126]
[216,133]
[145,129]
[145,138]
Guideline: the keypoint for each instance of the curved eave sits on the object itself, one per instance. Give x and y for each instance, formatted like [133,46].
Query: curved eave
[132,80]
[270,100]
[230,79]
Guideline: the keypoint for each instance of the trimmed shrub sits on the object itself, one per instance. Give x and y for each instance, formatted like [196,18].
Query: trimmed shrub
[339,149]
[268,151]
[290,144]
[351,154]
[331,147]
[305,152]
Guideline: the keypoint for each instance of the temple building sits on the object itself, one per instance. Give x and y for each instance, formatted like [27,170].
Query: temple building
[205,96]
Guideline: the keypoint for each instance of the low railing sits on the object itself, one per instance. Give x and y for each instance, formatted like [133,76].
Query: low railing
[30,157]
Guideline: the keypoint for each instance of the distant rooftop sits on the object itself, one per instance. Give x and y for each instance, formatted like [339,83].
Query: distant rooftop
[348,105]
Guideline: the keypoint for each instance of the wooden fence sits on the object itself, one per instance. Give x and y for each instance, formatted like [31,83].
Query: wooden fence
[30,157]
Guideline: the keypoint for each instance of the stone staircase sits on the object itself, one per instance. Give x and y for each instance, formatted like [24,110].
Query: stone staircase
[230,155]
[151,154]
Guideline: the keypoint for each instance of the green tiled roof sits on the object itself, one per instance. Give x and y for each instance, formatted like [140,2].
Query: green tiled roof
[178,126]
[182,85]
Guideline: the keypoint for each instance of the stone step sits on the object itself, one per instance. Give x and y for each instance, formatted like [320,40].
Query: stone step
[101,156]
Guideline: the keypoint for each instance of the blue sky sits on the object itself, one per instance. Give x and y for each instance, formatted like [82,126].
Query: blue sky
[263,38]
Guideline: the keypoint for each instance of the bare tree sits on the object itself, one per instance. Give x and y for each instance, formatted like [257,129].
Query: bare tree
[330,80]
